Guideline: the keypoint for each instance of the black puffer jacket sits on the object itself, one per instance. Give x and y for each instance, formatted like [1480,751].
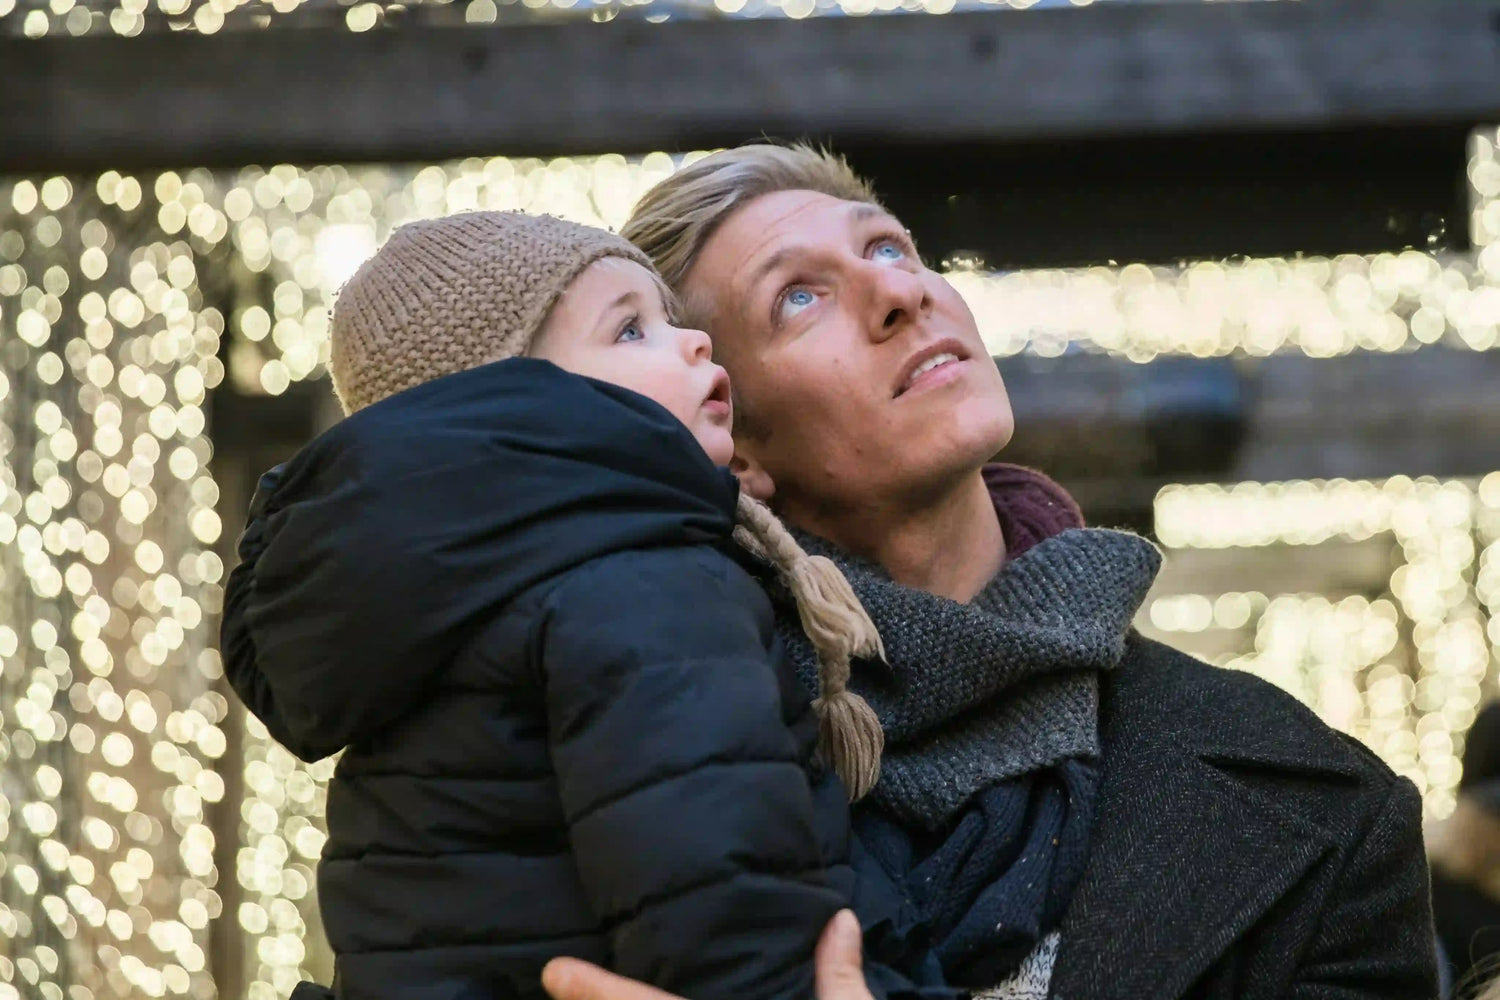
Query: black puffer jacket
[567,727]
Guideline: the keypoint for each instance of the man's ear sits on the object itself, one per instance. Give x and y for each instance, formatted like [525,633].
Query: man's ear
[753,477]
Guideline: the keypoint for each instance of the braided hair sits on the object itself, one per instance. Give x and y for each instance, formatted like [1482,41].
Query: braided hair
[839,629]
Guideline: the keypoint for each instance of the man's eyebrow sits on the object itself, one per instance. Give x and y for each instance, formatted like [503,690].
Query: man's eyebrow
[772,263]
[857,214]
[864,212]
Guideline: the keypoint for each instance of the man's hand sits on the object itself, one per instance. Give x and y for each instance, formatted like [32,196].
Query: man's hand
[838,964]
[840,975]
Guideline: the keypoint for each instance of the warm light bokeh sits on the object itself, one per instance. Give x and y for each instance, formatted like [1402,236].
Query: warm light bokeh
[43,18]
[1403,666]
[115,294]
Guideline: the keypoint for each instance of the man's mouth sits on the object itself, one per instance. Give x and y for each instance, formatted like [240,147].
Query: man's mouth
[929,361]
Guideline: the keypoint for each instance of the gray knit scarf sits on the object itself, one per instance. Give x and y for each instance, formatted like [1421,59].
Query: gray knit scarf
[984,806]
[977,693]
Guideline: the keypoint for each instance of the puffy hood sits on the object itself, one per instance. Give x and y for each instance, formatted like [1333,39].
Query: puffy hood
[374,556]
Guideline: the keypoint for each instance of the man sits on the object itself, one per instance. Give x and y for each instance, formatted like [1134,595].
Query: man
[1075,811]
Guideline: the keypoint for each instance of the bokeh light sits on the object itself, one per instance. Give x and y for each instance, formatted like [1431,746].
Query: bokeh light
[120,292]
[1404,670]
[110,738]
[1322,307]
[44,18]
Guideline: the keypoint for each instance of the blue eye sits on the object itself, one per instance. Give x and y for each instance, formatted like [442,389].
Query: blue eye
[795,301]
[889,250]
[631,332]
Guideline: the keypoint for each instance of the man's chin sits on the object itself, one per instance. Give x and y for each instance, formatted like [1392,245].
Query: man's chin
[982,428]
[1002,438]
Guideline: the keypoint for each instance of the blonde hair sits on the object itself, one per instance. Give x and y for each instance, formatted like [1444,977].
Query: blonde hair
[839,628]
[673,221]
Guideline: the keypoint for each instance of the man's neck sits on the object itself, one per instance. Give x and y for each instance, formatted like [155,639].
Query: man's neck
[952,547]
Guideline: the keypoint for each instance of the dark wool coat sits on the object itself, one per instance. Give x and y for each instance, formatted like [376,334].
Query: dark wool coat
[566,723]
[1242,849]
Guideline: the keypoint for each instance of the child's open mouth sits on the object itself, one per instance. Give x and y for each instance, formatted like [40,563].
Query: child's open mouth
[717,403]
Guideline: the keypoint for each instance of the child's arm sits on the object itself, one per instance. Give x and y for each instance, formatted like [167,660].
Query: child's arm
[690,816]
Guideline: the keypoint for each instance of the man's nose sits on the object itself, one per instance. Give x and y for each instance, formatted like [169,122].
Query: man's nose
[897,297]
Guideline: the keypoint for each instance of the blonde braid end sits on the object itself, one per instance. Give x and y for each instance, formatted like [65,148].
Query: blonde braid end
[839,628]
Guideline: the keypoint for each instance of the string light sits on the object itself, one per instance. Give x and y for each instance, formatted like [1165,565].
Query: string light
[109,725]
[115,294]
[41,18]
[1406,671]
[283,838]
[1322,307]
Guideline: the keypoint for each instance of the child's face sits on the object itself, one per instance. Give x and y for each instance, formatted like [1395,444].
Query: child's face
[611,324]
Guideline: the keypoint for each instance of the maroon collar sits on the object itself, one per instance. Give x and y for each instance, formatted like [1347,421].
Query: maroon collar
[1032,508]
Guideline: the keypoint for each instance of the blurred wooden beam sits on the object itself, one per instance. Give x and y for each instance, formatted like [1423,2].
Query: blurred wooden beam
[1181,197]
[422,92]
[1090,417]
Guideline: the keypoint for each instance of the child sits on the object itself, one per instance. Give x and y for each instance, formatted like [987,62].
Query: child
[507,591]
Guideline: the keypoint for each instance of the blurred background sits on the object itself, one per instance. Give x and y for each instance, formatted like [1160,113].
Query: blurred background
[1239,262]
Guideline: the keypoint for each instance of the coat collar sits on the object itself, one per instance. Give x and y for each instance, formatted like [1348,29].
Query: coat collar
[1190,849]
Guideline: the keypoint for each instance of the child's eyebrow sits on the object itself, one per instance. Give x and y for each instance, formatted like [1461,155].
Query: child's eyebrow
[623,299]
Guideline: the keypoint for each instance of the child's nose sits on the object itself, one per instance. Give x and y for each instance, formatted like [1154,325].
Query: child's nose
[696,345]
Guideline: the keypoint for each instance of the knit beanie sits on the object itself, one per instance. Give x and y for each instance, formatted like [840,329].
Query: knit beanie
[446,295]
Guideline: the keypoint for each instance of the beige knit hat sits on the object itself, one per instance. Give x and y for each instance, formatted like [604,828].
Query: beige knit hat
[450,294]
[445,295]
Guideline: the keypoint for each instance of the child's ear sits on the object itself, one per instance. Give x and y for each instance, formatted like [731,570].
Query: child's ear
[754,479]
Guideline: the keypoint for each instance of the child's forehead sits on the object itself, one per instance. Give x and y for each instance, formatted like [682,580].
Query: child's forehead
[609,280]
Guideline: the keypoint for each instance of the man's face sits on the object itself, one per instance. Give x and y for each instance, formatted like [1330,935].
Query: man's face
[860,373]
